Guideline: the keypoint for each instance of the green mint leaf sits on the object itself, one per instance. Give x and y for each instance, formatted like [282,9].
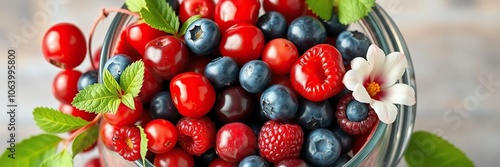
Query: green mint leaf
[160,15]
[97,98]
[31,152]
[322,8]
[111,84]
[62,159]
[54,121]
[188,22]
[350,11]
[132,78]
[128,100]
[144,144]
[135,5]
[427,149]
[85,139]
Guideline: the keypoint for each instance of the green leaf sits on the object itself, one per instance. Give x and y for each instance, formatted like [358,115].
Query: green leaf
[322,8]
[350,11]
[144,144]
[128,100]
[188,22]
[54,121]
[97,98]
[135,5]
[132,78]
[31,152]
[85,139]
[160,15]
[426,149]
[111,84]
[63,159]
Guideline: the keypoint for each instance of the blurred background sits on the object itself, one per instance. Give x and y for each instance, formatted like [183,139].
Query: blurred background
[454,44]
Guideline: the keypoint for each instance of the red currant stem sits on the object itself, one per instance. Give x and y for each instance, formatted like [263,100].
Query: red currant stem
[81,130]
[104,13]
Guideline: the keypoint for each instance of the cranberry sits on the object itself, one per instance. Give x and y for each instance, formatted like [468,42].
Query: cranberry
[235,141]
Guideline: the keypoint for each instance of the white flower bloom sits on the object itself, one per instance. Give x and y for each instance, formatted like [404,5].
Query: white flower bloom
[374,82]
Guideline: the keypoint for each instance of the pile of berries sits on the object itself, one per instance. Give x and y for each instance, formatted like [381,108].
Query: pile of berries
[238,89]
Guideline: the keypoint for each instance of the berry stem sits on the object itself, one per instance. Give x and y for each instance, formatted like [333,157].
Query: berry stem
[104,13]
[81,130]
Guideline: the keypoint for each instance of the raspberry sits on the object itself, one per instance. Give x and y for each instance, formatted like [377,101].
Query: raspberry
[354,127]
[127,142]
[279,141]
[196,135]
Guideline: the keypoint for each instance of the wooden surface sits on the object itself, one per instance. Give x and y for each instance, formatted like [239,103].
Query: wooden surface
[453,44]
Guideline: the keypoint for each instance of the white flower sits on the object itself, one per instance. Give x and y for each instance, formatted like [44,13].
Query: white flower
[374,82]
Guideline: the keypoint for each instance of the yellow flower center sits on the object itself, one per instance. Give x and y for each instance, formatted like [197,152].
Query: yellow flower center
[373,88]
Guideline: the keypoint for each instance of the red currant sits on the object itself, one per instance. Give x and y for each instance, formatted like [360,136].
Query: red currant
[291,9]
[125,116]
[162,136]
[192,94]
[139,34]
[175,157]
[242,42]
[189,8]
[64,86]
[69,109]
[64,46]
[230,12]
[106,132]
[280,54]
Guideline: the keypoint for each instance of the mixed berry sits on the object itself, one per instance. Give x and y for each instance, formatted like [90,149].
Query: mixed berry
[237,89]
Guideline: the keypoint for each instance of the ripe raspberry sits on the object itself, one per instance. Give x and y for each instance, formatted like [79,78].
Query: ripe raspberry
[279,141]
[353,127]
[127,142]
[196,135]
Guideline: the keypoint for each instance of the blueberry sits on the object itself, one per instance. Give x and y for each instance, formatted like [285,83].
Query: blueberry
[321,147]
[352,44]
[346,140]
[343,159]
[253,161]
[205,158]
[161,106]
[278,102]
[305,32]
[356,111]
[222,72]
[202,36]
[87,78]
[254,76]
[174,4]
[272,24]
[314,115]
[116,64]
[333,26]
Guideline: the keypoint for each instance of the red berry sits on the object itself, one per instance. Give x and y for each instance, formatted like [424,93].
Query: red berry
[352,127]
[192,94]
[230,12]
[279,141]
[196,135]
[69,109]
[64,46]
[64,86]
[166,56]
[125,116]
[242,42]
[139,34]
[291,162]
[106,132]
[122,46]
[291,9]
[175,157]
[94,162]
[162,136]
[235,141]
[361,140]
[280,54]
[197,64]
[127,142]
[189,8]
[150,86]
[218,162]
[318,73]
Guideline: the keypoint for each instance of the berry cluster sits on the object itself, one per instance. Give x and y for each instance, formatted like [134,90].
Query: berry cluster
[238,88]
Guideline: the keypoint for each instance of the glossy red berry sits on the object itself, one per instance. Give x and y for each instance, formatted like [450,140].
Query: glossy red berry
[291,9]
[175,157]
[64,45]
[139,34]
[150,86]
[242,42]
[196,135]
[127,142]
[354,127]
[106,132]
[94,162]
[69,109]
[162,136]
[205,8]
[279,141]
[230,12]
[125,116]
[64,86]
[218,162]
[280,54]
[235,141]
[197,64]
[122,46]
[192,94]
[166,56]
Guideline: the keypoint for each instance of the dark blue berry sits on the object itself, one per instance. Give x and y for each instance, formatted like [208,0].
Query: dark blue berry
[333,26]
[222,72]
[253,161]
[321,147]
[161,106]
[314,115]
[305,32]
[87,78]
[254,76]
[352,44]
[278,102]
[356,111]
[273,25]
[117,64]
[346,140]
[174,4]
[205,158]
[202,36]
[343,159]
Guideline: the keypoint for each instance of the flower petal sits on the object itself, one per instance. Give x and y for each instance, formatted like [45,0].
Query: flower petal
[395,65]
[376,58]
[352,78]
[386,111]
[360,94]
[400,94]
[362,65]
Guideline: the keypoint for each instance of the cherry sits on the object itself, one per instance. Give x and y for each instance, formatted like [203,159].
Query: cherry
[175,157]
[291,9]
[139,34]
[218,162]
[280,54]
[235,141]
[197,64]
[69,109]
[150,86]
[106,132]
[64,86]
[125,116]
[242,42]
[234,105]
[64,46]
[166,56]
[189,8]
[230,12]
[162,136]
[192,94]
[123,46]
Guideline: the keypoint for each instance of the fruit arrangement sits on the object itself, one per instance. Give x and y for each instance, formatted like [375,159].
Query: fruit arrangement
[222,85]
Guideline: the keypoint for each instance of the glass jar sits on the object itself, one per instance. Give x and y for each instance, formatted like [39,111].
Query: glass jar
[387,143]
